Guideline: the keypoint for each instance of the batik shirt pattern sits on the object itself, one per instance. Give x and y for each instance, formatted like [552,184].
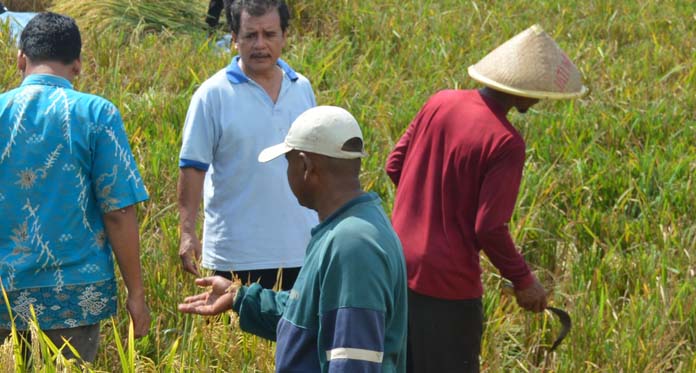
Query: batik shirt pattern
[64,162]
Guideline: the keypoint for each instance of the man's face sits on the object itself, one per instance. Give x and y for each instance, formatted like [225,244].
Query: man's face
[260,42]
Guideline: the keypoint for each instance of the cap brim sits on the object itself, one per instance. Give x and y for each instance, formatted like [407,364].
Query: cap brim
[273,152]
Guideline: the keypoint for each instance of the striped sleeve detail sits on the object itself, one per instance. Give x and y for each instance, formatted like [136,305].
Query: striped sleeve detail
[353,339]
[355,354]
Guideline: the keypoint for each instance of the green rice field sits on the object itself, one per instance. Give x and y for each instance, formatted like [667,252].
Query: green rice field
[606,214]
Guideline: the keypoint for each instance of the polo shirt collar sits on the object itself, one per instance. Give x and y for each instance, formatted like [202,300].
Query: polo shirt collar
[236,76]
[46,79]
[365,197]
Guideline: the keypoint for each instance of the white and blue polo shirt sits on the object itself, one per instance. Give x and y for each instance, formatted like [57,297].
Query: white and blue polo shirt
[252,219]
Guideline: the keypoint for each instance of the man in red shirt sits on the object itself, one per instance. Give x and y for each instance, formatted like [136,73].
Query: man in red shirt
[457,169]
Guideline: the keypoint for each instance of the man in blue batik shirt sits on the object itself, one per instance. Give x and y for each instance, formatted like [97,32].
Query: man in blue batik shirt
[69,186]
[347,309]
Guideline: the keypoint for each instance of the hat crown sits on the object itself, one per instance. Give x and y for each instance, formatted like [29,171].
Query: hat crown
[530,64]
[324,130]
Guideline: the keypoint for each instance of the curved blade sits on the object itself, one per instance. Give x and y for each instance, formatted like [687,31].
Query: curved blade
[564,318]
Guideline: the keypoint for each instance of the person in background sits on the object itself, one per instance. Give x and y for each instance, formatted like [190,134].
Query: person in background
[70,185]
[347,310]
[234,115]
[212,17]
[457,171]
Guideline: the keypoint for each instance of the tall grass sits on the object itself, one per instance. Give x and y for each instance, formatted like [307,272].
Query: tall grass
[605,214]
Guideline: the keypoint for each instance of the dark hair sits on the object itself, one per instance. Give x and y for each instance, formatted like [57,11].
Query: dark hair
[51,37]
[256,8]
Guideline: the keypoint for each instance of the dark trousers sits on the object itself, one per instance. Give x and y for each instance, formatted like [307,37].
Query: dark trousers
[443,335]
[215,7]
[267,278]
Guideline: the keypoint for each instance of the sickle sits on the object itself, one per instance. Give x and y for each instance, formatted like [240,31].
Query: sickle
[564,318]
[562,315]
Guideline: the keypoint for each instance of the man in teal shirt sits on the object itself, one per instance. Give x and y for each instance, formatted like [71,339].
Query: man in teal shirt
[347,310]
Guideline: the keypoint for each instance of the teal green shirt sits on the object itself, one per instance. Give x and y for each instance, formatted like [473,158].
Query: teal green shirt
[347,309]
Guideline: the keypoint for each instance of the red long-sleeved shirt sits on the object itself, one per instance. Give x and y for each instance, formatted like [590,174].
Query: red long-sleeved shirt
[457,169]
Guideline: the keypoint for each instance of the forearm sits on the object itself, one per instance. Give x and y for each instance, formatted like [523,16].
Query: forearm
[500,249]
[189,192]
[260,310]
[122,232]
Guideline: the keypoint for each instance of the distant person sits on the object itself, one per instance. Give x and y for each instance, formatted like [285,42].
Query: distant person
[240,110]
[16,20]
[347,310]
[215,8]
[69,189]
[457,169]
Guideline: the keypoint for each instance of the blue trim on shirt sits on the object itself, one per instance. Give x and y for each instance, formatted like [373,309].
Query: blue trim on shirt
[236,76]
[296,350]
[353,328]
[46,79]
[186,163]
[347,365]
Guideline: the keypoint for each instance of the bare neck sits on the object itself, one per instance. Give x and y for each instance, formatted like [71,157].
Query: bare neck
[51,68]
[270,81]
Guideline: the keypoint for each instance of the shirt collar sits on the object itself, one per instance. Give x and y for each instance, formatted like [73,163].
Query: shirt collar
[365,197]
[236,76]
[46,79]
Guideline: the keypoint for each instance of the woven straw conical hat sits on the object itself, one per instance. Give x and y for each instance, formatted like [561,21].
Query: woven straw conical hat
[530,65]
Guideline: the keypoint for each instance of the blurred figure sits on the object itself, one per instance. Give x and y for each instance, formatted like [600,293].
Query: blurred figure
[214,10]
[17,20]
[457,170]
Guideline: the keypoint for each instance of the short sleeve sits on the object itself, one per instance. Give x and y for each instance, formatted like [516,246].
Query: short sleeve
[200,128]
[116,181]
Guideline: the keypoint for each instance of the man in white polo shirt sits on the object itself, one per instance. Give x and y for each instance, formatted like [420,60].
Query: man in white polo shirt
[253,224]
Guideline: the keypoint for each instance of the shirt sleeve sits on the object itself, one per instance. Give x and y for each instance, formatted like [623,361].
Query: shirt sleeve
[116,181]
[354,296]
[496,203]
[201,129]
[260,310]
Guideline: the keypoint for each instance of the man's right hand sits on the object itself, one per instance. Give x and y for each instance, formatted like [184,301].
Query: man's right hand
[190,253]
[215,301]
[532,298]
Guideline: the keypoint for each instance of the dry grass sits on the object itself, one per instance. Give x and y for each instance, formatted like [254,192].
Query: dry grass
[27,5]
[135,18]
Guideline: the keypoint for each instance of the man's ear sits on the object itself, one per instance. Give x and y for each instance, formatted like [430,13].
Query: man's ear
[234,40]
[21,61]
[76,67]
[307,164]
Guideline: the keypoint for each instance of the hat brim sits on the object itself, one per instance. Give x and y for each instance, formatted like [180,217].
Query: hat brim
[273,152]
[521,92]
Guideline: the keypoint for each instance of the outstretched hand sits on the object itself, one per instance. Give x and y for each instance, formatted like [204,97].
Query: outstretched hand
[215,301]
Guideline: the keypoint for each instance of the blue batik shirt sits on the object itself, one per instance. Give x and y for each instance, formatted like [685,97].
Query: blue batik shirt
[64,162]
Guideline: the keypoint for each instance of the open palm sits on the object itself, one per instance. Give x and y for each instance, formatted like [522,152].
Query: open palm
[212,302]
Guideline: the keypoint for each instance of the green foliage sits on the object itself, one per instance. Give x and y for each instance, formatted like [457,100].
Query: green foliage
[605,214]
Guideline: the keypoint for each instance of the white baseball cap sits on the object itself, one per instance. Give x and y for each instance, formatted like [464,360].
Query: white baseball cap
[322,130]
